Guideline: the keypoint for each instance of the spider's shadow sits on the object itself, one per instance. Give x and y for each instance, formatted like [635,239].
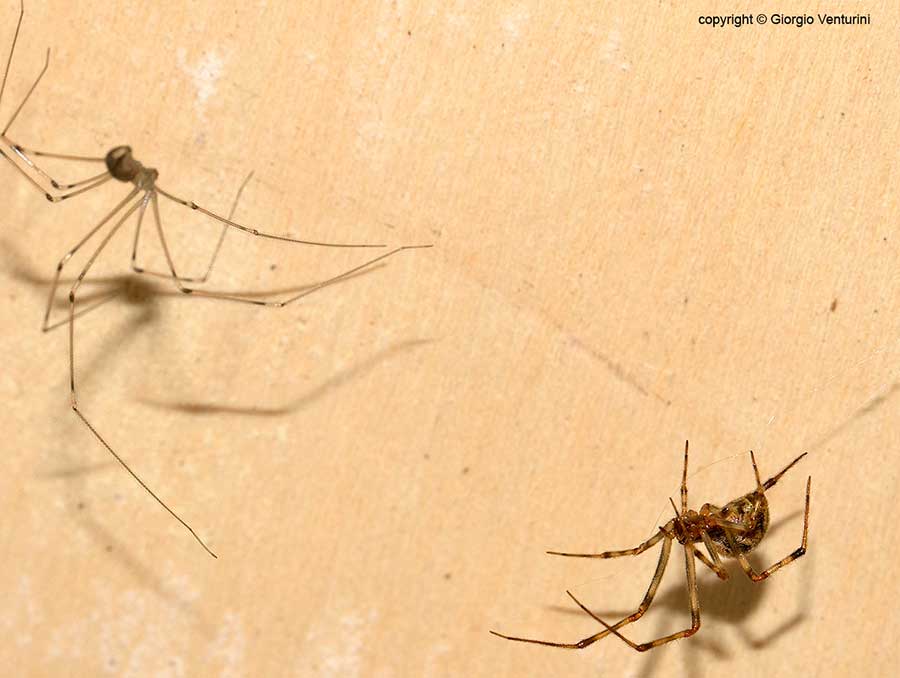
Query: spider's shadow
[734,602]
[335,381]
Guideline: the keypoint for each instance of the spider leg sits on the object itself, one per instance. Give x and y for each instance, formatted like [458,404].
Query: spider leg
[651,590]
[9,62]
[260,302]
[73,292]
[684,492]
[642,608]
[663,532]
[21,152]
[252,231]
[12,48]
[46,326]
[744,561]
[197,280]
[82,186]
[774,479]
[569,646]
[716,564]
[689,553]
[96,301]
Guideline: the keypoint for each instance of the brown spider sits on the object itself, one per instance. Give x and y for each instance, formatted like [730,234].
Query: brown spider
[732,531]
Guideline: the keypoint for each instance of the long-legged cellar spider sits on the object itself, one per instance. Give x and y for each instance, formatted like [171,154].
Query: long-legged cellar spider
[121,165]
[731,531]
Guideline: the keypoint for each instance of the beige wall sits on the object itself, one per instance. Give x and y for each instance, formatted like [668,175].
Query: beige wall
[645,230]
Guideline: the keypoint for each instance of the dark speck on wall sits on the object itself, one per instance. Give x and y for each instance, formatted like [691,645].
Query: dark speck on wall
[834,305]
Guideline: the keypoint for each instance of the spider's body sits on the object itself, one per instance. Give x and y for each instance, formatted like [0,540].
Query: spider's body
[731,531]
[747,517]
[122,165]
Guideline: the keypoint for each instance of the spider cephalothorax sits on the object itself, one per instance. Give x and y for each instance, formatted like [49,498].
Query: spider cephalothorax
[731,531]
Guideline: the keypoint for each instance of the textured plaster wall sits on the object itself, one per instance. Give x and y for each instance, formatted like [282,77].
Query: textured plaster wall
[645,230]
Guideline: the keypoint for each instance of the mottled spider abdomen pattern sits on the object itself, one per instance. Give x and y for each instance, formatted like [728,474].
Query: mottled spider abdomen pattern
[751,512]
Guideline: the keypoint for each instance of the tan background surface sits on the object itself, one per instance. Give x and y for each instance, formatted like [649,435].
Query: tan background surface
[646,230]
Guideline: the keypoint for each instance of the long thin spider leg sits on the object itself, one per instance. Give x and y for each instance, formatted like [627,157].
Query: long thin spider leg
[97,180]
[72,302]
[45,326]
[24,173]
[73,393]
[15,147]
[569,646]
[694,602]
[98,301]
[774,479]
[642,608]
[651,590]
[78,184]
[759,485]
[60,156]
[231,212]
[28,94]
[260,302]
[23,155]
[197,280]
[684,491]
[745,562]
[101,179]
[12,48]
[82,186]
[137,238]
[616,554]
[252,231]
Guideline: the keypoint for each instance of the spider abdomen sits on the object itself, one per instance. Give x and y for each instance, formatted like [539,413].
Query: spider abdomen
[122,165]
[750,516]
